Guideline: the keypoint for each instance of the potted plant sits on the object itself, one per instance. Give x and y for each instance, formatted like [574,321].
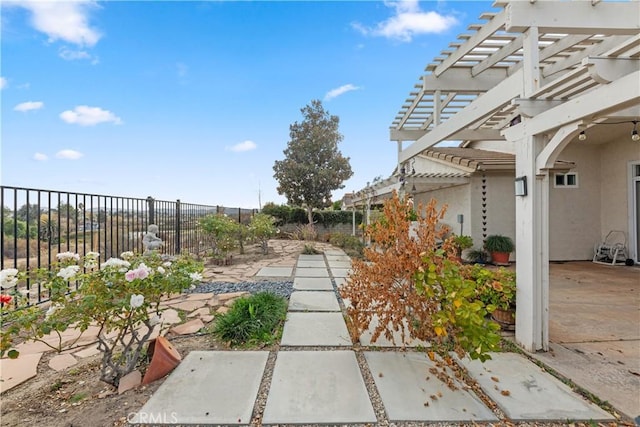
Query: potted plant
[478,256]
[497,291]
[499,247]
[461,242]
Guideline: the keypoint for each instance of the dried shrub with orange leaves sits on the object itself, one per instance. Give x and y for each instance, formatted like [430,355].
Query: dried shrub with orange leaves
[411,283]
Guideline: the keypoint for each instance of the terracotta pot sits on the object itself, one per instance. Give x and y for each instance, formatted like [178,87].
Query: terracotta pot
[500,258]
[504,317]
[164,358]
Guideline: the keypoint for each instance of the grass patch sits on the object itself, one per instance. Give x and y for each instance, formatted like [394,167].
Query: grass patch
[252,320]
[78,397]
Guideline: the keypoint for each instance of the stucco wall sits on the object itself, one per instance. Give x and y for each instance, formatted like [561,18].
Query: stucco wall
[574,213]
[614,169]
[457,200]
[467,200]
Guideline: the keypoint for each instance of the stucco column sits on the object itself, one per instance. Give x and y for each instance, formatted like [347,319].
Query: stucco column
[532,254]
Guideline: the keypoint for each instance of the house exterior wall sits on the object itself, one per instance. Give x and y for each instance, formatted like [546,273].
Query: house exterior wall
[457,201]
[614,163]
[574,213]
[467,200]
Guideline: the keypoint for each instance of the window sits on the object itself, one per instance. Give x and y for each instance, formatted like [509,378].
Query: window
[566,180]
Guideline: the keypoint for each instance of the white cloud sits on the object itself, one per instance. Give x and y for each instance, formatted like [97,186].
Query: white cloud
[29,106]
[408,21]
[74,55]
[334,93]
[40,157]
[243,146]
[84,115]
[3,82]
[69,154]
[67,21]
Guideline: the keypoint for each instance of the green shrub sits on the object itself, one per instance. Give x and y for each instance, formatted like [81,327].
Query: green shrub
[296,215]
[252,320]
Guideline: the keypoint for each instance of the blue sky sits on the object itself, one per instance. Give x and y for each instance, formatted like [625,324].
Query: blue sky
[193,100]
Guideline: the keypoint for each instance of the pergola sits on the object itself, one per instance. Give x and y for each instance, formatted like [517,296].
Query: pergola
[535,74]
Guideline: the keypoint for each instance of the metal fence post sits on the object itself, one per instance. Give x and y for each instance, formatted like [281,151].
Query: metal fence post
[177,227]
[152,213]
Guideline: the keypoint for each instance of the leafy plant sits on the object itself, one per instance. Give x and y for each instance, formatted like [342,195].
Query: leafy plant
[253,320]
[495,288]
[499,243]
[410,283]
[310,250]
[122,298]
[262,227]
[223,232]
[352,245]
[477,256]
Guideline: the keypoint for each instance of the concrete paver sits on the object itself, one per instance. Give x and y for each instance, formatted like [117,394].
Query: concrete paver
[340,281]
[334,252]
[525,392]
[305,257]
[339,264]
[313,301]
[408,396]
[275,272]
[208,387]
[317,387]
[312,272]
[316,329]
[312,284]
[610,370]
[382,341]
[340,272]
[315,264]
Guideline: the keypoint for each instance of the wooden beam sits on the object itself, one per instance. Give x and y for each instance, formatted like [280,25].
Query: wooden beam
[575,17]
[620,94]
[463,80]
[505,51]
[474,40]
[481,107]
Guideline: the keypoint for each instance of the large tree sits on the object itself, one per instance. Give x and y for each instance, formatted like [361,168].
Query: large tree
[313,166]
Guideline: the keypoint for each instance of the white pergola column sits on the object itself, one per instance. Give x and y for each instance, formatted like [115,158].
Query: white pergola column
[532,255]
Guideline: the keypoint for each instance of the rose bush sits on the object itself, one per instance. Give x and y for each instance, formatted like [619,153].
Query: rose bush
[121,298]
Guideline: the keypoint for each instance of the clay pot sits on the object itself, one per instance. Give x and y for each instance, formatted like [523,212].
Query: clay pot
[500,258]
[164,358]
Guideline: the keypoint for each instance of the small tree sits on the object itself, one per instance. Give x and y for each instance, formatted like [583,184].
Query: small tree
[223,231]
[262,228]
[412,284]
[313,166]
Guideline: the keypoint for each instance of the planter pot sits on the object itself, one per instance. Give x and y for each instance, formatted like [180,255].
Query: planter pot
[164,358]
[506,318]
[500,258]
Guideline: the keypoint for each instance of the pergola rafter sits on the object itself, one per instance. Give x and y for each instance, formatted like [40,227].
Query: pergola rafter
[448,100]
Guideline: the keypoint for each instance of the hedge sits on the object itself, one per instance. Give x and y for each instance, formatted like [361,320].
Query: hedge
[296,215]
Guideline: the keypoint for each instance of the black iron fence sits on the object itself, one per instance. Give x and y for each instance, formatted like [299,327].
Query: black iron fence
[38,224]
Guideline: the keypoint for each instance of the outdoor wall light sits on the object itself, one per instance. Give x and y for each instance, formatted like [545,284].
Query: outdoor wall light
[521,186]
[582,136]
[634,133]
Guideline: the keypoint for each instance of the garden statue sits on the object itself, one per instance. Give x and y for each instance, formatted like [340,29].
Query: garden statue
[150,241]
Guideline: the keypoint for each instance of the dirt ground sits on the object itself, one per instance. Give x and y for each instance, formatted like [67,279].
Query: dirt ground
[76,397]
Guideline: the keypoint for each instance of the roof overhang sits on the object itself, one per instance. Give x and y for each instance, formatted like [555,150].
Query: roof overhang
[480,86]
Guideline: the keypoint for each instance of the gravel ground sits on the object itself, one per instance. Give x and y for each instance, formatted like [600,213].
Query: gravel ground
[281,288]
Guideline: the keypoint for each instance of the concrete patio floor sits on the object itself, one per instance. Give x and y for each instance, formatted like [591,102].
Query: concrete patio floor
[594,330]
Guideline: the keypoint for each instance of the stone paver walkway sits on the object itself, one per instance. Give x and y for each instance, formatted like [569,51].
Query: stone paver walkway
[316,378]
